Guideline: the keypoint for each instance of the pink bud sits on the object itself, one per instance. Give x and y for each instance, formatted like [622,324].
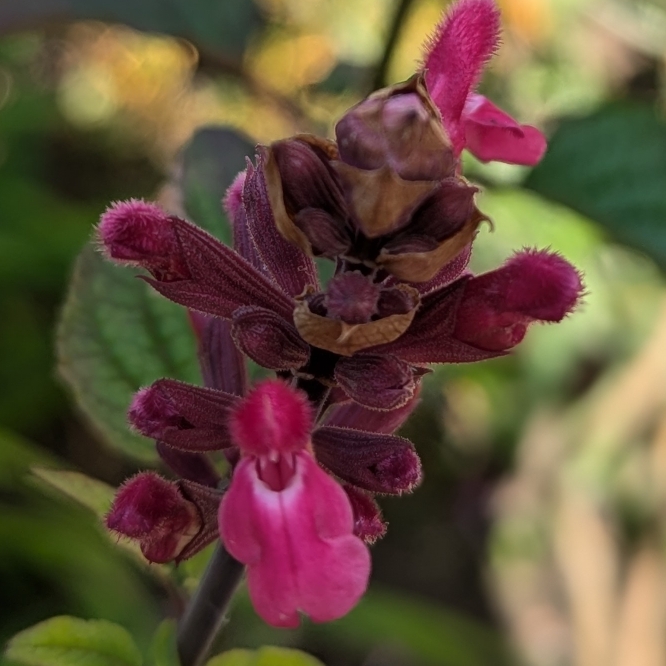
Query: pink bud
[152,413]
[368,522]
[141,233]
[233,199]
[153,511]
[497,307]
[273,418]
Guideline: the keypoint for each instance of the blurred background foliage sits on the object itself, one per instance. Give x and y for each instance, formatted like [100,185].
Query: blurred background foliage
[539,529]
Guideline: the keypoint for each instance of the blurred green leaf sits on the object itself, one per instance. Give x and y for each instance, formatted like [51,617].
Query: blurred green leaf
[210,163]
[611,166]
[219,26]
[116,335]
[69,641]
[91,493]
[163,649]
[265,656]
[431,634]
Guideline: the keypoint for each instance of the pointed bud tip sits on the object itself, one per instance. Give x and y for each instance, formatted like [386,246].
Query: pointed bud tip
[131,231]
[141,504]
[272,418]
[400,472]
[152,412]
[548,287]
[368,522]
[233,199]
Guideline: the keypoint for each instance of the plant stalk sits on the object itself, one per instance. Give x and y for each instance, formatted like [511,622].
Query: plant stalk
[205,614]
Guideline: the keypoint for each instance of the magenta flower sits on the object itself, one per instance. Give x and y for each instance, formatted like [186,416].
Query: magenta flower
[462,44]
[286,519]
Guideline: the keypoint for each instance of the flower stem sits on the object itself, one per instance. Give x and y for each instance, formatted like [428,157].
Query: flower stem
[205,614]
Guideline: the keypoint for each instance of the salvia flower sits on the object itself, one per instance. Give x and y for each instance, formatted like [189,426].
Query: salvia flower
[455,56]
[286,519]
[309,452]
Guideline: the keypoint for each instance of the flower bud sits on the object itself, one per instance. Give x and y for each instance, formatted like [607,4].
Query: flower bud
[352,297]
[137,232]
[153,511]
[372,461]
[368,522]
[497,307]
[186,417]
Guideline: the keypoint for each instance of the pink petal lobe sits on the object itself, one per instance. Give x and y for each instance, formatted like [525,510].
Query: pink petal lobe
[455,55]
[273,417]
[298,543]
[491,134]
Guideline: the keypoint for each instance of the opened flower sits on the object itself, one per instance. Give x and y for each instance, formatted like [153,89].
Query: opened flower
[455,56]
[286,519]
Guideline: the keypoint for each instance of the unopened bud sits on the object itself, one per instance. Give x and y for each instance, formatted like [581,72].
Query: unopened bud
[140,233]
[352,297]
[497,307]
[153,511]
[368,522]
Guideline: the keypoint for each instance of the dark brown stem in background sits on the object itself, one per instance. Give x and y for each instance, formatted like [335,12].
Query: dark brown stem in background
[379,78]
[206,613]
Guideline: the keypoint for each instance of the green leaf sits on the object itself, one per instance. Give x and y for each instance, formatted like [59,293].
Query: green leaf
[116,335]
[69,641]
[431,634]
[210,163]
[265,656]
[218,26]
[91,493]
[611,166]
[163,650]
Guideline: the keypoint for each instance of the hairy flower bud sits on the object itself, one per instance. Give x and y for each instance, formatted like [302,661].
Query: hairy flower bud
[368,522]
[137,232]
[372,461]
[153,511]
[497,307]
[183,416]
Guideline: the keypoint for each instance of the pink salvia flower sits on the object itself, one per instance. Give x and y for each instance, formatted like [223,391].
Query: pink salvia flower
[285,518]
[461,46]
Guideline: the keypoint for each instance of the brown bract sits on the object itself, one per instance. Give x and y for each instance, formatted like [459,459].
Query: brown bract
[398,126]
[381,201]
[346,339]
[423,266]
[386,196]
[274,185]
